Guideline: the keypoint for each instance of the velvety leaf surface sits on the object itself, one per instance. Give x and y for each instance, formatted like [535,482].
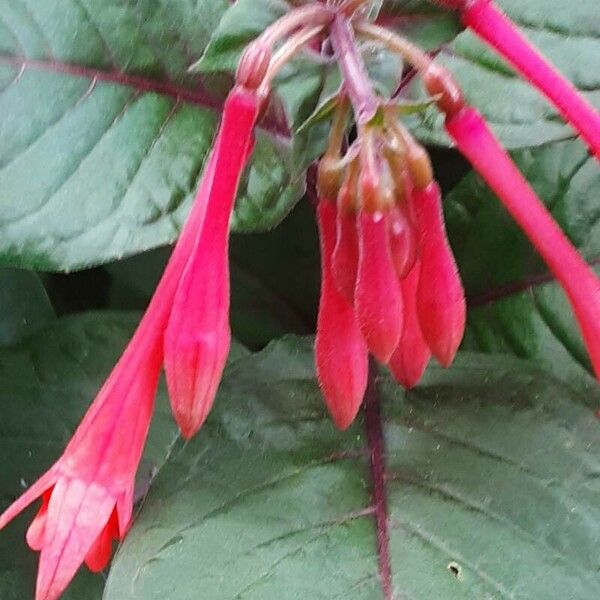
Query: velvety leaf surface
[104,132]
[490,482]
[513,307]
[567,33]
[274,280]
[24,305]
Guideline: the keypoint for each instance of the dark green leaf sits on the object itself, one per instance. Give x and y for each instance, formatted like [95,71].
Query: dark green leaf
[491,470]
[24,305]
[243,21]
[104,132]
[274,280]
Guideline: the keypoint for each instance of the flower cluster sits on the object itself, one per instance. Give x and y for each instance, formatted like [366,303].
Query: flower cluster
[390,285]
[390,282]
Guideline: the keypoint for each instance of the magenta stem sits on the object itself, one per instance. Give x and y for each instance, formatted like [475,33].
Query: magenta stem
[356,79]
[479,145]
[495,28]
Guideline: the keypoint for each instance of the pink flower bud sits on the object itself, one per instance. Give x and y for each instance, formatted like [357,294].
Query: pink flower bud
[412,354]
[340,351]
[345,255]
[403,241]
[197,337]
[441,303]
[377,296]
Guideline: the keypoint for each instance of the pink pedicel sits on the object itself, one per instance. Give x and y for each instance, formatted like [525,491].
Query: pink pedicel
[441,302]
[479,145]
[410,358]
[340,352]
[197,338]
[494,27]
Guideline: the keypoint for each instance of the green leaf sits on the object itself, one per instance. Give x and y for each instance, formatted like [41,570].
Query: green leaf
[511,311]
[490,470]
[24,305]
[104,131]
[274,280]
[243,21]
[421,21]
[567,33]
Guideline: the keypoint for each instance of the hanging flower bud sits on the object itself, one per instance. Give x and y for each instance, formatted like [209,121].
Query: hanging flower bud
[412,354]
[378,301]
[344,262]
[340,351]
[403,237]
[197,337]
[440,297]
[403,242]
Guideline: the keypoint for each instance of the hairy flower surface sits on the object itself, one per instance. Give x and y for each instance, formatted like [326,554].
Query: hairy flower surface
[390,283]
[198,336]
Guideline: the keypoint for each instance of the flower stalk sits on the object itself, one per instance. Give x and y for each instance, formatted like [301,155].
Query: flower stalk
[485,19]
[356,79]
[479,145]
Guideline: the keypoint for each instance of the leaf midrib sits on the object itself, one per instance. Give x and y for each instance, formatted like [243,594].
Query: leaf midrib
[198,97]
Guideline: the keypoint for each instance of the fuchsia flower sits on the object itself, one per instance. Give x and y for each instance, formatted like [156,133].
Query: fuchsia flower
[87,496]
[390,284]
[340,352]
[412,354]
[440,298]
[198,337]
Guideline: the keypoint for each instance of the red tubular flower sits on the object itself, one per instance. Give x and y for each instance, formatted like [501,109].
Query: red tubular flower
[344,262]
[87,496]
[345,254]
[440,296]
[377,296]
[412,354]
[492,25]
[479,145]
[198,336]
[403,243]
[340,351]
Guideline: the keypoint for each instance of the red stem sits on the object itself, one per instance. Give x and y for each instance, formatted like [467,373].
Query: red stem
[479,145]
[495,28]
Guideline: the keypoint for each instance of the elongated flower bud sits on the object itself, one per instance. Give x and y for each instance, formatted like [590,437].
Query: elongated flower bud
[441,303]
[495,28]
[340,351]
[412,354]
[403,241]
[345,255]
[344,262]
[197,337]
[377,297]
[476,141]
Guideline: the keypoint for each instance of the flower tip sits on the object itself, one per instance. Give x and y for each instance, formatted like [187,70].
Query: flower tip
[343,421]
[193,368]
